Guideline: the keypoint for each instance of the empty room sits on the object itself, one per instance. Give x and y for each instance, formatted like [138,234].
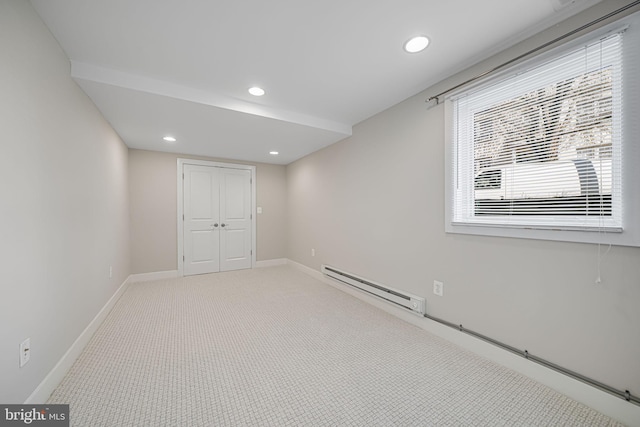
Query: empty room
[336,213]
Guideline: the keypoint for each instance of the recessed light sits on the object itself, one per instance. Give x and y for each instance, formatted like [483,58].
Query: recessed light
[169,139]
[273,153]
[256,91]
[416,44]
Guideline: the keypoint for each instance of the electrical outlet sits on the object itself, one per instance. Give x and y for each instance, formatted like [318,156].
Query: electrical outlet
[438,288]
[110,272]
[313,252]
[25,351]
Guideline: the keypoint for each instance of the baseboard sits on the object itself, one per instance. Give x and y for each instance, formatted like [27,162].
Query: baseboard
[308,270]
[156,275]
[41,394]
[271,262]
[612,406]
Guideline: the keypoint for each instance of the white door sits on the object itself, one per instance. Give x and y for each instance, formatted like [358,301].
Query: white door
[217,219]
[235,219]
[201,190]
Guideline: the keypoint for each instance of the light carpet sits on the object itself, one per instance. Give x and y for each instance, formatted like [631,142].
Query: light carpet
[275,347]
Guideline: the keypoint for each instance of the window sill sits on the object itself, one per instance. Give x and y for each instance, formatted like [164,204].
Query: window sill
[615,236]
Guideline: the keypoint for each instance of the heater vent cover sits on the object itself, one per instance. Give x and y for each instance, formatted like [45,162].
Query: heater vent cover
[406,300]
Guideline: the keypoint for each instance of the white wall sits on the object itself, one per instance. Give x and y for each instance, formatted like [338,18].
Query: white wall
[153,194]
[64,203]
[373,204]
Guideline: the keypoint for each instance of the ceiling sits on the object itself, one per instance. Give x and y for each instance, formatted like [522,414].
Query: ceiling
[182,68]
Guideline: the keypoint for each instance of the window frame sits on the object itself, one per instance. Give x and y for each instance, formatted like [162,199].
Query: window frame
[629,235]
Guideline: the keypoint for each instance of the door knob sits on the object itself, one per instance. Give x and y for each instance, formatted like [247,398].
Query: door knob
[223,225]
[215,225]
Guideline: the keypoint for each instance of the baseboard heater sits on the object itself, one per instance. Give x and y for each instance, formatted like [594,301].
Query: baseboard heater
[406,300]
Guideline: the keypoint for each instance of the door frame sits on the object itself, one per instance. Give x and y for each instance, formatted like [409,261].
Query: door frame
[180,210]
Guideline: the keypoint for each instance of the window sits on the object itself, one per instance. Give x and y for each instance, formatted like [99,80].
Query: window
[488,179]
[540,149]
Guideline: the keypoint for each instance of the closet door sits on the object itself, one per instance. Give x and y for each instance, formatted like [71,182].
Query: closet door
[201,193]
[235,219]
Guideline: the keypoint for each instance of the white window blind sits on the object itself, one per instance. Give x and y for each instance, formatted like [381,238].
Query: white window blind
[542,148]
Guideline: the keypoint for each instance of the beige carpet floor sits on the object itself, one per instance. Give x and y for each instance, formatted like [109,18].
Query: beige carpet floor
[275,347]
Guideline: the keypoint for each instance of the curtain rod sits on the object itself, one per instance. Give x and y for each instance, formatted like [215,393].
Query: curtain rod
[545,45]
